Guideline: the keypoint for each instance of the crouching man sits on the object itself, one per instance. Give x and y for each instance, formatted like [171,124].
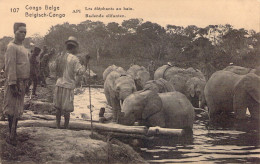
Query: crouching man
[17,73]
[67,67]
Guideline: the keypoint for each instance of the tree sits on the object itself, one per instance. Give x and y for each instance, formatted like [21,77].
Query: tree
[235,44]
[151,37]
[58,34]
[191,31]
[131,24]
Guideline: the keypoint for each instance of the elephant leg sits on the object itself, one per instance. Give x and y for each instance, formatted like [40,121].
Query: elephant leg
[240,104]
[254,109]
[116,109]
[212,111]
[157,120]
[107,97]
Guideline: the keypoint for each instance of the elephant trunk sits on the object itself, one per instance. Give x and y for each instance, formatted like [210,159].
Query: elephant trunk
[202,103]
[125,120]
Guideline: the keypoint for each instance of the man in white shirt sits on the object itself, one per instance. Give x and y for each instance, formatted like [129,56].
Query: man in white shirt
[67,67]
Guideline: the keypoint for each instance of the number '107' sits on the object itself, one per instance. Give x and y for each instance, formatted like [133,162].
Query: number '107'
[14,10]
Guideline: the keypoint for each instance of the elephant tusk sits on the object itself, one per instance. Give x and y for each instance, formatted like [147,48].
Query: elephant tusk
[121,103]
[206,108]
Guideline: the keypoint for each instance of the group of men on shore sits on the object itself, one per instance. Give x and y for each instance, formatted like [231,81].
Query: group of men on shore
[39,69]
[21,70]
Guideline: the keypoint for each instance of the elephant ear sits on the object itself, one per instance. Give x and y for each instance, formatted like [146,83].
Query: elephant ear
[251,82]
[153,105]
[138,84]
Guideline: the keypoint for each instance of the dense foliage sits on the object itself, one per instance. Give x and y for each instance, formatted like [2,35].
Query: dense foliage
[209,49]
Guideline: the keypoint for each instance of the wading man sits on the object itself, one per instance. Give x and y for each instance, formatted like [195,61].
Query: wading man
[151,69]
[17,71]
[67,67]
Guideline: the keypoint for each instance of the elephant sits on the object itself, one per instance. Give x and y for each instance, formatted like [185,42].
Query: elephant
[166,72]
[190,82]
[112,68]
[239,70]
[227,92]
[159,86]
[140,75]
[117,87]
[168,110]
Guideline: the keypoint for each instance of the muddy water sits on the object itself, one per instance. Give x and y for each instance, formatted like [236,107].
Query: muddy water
[233,144]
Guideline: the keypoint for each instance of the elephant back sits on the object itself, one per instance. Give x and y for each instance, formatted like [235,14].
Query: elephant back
[134,69]
[251,84]
[238,70]
[108,70]
[120,70]
[159,73]
[219,91]
[111,68]
[188,73]
[179,82]
[111,77]
[125,79]
[178,111]
[222,79]
[195,73]
[159,86]
[139,74]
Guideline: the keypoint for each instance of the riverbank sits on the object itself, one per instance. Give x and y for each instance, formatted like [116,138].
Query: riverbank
[51,145]
[41,145]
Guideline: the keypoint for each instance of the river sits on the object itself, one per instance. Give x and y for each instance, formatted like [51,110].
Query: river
[229,144]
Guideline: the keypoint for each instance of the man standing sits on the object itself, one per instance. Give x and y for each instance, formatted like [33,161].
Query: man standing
[2,80]
[67,67]
[43,65]
[51,72]
[17,71]
[151,69]
[44,51]
[34,69]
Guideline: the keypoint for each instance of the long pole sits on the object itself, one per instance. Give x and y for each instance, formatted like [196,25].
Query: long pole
[90,106]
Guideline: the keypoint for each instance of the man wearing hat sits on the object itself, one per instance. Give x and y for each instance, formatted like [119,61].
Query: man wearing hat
[17,73]
[67,67]
[34,69]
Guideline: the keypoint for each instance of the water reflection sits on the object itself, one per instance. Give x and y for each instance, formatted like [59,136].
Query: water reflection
[227,142]
[207,146]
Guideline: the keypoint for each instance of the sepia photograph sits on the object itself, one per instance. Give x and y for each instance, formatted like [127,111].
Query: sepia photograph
[129,81]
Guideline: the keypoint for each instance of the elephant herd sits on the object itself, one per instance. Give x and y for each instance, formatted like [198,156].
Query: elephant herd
[169,99]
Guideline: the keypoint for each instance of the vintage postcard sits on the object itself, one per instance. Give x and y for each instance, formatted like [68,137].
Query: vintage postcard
[129,81]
